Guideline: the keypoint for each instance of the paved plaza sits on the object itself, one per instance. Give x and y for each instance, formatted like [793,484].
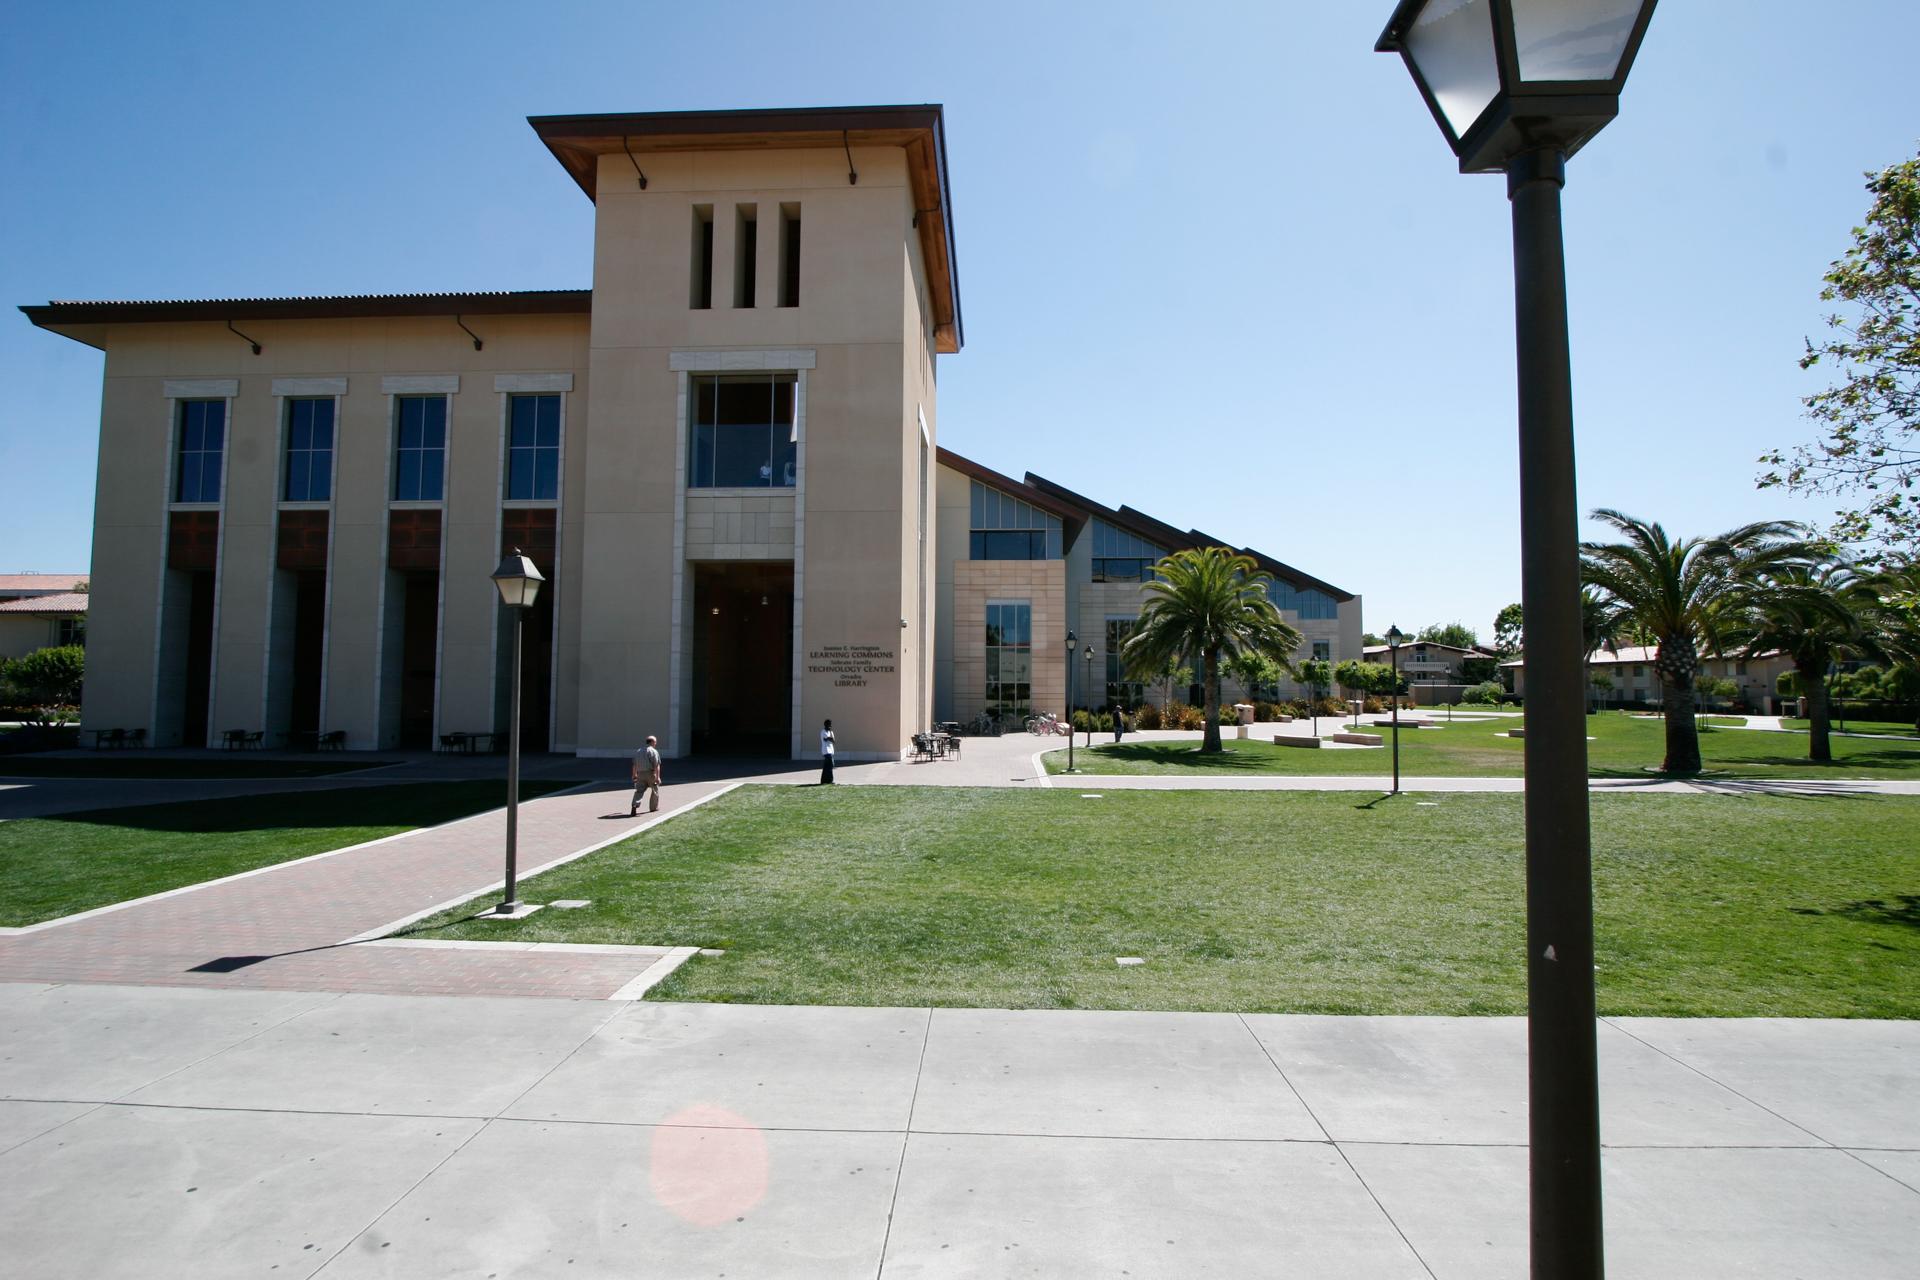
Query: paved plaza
[241,1078]
[160,1131]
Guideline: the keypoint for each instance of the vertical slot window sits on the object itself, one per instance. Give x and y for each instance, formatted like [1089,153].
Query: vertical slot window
[789,255]
[203,439]
[420,449]
[700,296]
[309,450]
[746,252]
[533,448]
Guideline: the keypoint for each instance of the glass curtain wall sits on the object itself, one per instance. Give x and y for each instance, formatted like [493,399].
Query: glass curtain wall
[1009,659]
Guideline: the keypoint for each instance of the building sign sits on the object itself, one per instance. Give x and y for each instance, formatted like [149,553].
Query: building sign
[850,664]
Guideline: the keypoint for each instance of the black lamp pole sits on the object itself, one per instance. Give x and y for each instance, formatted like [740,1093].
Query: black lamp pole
[519,585]
[1517,86]
[1394,637]
[1089,684]
[1072,641]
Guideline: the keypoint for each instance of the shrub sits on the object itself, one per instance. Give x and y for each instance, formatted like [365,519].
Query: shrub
[1147,717]
[1485,694]
[1329,707]
[47,676]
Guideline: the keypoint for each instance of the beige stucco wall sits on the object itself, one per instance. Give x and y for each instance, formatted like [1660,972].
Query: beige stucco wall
[853,511]
[134,485]
[1043,584]
[22,633]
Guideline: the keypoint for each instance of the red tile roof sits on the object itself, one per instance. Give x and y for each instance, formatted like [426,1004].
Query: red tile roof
[64,602]
[14,583]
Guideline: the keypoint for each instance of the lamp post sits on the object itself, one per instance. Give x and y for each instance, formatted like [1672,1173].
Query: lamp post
[1394,637]
[1517,86]
[1089,684]
[519,583]
[1073,642]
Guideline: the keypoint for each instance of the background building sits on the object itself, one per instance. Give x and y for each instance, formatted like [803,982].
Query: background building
[1636,684]
[1023,562]
[40,610]
[723,457]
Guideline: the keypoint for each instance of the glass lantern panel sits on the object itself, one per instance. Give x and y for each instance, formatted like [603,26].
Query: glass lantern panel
[1572,39]
[1451,45]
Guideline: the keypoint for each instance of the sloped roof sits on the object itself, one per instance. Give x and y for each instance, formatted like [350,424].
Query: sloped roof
[1044,493]
[65,602]
[41,583]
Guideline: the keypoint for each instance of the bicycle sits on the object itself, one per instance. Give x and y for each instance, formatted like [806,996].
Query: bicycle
[1046,724]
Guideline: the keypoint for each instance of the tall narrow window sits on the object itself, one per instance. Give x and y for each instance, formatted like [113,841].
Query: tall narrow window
[700,271]
[309,450]
[742,429]
[1009,658]
[420,449]
[203,438]
[746,252]
[533,447]
[1121,690]
[789,255]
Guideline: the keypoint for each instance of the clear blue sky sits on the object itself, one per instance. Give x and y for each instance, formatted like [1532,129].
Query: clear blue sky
[1215,260]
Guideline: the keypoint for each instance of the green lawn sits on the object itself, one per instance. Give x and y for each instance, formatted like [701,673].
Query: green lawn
[1622,747]
[57,866]
[127,764]
[1901,728]
[1287,901]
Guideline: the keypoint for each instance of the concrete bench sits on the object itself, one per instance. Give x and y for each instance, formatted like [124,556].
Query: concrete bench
[1289,740]
[1358,739]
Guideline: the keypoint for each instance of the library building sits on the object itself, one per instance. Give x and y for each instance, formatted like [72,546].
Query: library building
[724,458]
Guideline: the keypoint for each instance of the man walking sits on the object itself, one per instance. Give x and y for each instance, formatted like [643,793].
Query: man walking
[826,754]
[646,777]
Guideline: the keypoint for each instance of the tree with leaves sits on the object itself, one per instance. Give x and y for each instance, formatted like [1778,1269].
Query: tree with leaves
[1601,622]
[1688,593]
[1316,674]
[1457,634]
[1214,603]
[1509,631]
[1257,672]
[1871,414]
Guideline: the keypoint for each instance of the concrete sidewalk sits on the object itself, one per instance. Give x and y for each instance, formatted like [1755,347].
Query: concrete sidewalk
[169,1132]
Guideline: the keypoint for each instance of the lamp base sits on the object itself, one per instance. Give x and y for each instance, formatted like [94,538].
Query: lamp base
[513,911]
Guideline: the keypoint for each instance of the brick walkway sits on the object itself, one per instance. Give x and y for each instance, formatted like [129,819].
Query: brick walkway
[288,927]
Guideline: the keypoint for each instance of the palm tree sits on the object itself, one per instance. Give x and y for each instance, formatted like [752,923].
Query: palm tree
[1685,594]
[1214,603]
[1817,614]
[1602,623]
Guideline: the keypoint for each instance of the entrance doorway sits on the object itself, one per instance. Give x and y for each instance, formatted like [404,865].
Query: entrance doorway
[742,659]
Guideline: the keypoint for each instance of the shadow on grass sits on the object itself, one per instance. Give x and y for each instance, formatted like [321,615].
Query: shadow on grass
[1899,909]
[1897,759]
[1186,756]
[122,764]
[401,804]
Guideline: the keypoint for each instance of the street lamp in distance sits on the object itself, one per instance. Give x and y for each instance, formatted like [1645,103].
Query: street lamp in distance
[518,580]
[1073,642]
[1088,682]
[1517,86]
[1394,637]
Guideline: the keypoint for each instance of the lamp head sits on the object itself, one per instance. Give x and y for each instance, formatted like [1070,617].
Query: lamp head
[1507,76]
[518,580]
[1394,637]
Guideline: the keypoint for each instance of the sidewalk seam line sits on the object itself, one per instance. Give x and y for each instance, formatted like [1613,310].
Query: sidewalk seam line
[906,1136]
[1344,1157]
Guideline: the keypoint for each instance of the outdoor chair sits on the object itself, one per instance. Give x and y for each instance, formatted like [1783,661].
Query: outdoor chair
[453,742]
[334,740]
[136,738]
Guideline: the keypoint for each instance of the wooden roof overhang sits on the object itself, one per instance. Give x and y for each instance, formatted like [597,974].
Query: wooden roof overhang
[72,318]
[578,142]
